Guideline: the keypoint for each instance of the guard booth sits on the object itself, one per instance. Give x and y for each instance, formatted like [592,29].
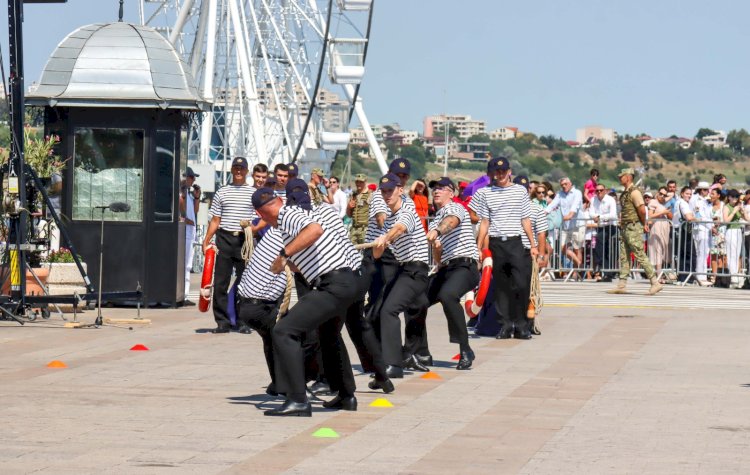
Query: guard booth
[119,97]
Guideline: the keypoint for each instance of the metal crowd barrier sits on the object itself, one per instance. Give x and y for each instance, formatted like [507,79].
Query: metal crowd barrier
[702,251]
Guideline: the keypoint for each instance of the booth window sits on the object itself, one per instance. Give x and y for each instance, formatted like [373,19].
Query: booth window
[164,182]
[108,167]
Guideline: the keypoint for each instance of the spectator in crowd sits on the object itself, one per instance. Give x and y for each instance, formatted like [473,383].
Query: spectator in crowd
[701,231]
[604,214]
[421,197]
[337,196]
[672,195]
[539,197]
[720,179]
[718,249]
[683,221]
[659,220]
[569,201]
[589,188]
[733,215]
[260,173]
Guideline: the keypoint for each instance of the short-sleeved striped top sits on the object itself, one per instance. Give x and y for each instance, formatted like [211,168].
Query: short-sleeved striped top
[377,206]
[329,218]
[504,207]
[539,222]
[411,246]
[459,242]
[233,203]
[324,255]
[257,281]
[281,194]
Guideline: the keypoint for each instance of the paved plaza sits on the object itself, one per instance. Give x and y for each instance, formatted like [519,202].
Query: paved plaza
[624,385]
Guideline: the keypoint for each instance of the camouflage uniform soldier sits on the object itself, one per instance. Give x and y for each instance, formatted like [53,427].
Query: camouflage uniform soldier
[632,226]
[358,209]
[316,179]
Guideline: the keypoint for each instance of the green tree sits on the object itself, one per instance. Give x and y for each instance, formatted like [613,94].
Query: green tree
[739,140]
[479,138]
[703,131]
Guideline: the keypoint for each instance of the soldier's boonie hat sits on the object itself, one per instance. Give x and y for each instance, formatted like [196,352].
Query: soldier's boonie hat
[239,162]
[296,185]
[521,180]
[262,196]
[400,165]
[626,171]
[389,181]
[293,169]
[443,181]
[360,177]
[318,171]
[649,194]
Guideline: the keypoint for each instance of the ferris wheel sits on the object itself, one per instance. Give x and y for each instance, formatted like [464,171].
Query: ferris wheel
[282,76]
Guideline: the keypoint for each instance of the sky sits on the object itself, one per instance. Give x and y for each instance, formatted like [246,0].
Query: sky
[656,66]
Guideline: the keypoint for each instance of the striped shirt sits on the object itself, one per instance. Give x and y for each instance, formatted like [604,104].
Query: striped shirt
[257,281]
[328,217]
[411,245]
[504,207]
[324,255]
[459,241]
[377,206]
[233,203]
[281,194]
[538,221]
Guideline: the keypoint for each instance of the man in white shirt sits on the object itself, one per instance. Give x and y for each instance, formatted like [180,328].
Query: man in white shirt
[701,208]
[604,213]
[569,200]
[190,194]
[338,197]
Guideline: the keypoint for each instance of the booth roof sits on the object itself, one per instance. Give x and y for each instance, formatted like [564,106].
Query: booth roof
[116,65]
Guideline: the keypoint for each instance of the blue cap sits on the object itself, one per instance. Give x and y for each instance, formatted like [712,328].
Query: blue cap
[443,181]
[521,180]
[389,181]
[271,180]
[400,165]
[299,198]
[498,163]
[296,185]
[240,162]
[293,169]
[263,196]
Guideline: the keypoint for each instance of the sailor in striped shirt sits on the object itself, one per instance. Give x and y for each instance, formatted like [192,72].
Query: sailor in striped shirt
[230,205]
[453,245]
[259,294]
[539,227]
[406,238]
[505,212]
[360,330]
[318,254]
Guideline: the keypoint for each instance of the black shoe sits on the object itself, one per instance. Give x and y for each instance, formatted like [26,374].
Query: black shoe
[522,335]
[426,360]
[386,386]
[394,372]
[220,330]
[312,397]
[465,361]
[245,329]
[271,390]
[413,363]
[291,408]
[347,403]
[320,387]
[188,303]
[504,334]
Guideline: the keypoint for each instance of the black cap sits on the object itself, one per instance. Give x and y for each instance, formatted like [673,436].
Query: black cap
[521,180]
[293,169]
[498,163]
[263,196]
[271,180]
[190,173]
[389,181]
[400,165]
[299,198]
[443,181]
[296,185]
[240,162]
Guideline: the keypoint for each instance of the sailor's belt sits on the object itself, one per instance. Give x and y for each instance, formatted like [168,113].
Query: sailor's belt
[230,233]
[506,238]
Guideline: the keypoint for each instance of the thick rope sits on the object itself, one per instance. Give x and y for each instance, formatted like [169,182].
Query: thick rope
[535,296]
[248,246]
[287,293]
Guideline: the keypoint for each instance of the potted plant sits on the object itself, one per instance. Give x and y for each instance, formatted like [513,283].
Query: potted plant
[64,276]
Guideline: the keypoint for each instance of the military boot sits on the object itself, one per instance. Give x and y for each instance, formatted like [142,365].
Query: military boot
[656,286]
[620,289]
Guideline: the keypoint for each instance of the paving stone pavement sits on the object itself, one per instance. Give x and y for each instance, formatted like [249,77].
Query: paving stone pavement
[603,390]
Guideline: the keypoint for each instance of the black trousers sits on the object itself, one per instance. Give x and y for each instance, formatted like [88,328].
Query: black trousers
[323,308]
[228,258]
[362,333]
[405,291]
[604,249]
[511,273]
[261,317]
[382,271]
[685,251]
[311,342]
[447,286]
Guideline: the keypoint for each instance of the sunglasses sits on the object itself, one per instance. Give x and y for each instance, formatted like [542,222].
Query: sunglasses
[539,192]
[332,181]
[599,190]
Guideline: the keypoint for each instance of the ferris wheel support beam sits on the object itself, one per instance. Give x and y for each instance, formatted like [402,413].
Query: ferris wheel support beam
[197,51]
[181,19]
[208,83]
[248,74]
[374,145]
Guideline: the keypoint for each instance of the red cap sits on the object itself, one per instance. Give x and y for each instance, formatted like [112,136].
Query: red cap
[372,186]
